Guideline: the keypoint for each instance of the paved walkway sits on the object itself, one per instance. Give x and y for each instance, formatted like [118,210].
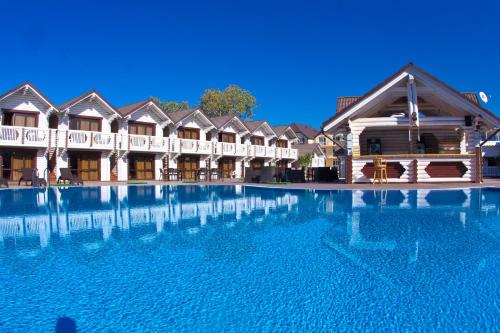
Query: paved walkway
[323,186]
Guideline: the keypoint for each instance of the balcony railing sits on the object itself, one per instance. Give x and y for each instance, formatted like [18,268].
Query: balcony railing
[75,139]
[88,139]
[147,143]
[18,136]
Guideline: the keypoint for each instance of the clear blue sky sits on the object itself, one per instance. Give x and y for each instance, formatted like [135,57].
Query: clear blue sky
[295,56]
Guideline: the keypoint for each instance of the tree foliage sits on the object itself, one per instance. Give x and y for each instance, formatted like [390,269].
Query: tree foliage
[171,106]
[231,100]
[305,160]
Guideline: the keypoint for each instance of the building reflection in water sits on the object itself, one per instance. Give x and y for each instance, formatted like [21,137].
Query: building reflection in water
[393,234]
[397,223]
[31,220]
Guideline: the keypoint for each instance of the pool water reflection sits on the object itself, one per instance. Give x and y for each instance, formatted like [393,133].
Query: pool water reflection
[208,258]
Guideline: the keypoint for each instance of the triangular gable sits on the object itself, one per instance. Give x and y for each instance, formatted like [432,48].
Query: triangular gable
[239,124]
[182,116]
[255,125]
[94,95]
[359,104]
[147,105]
[287,131]
[27,86]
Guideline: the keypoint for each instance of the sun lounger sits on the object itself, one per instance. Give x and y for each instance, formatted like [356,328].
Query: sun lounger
[31,175]
[67,176]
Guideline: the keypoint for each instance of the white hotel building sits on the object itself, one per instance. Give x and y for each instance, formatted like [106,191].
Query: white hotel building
[135,142]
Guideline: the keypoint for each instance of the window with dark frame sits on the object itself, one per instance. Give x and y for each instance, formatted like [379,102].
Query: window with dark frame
[257,140]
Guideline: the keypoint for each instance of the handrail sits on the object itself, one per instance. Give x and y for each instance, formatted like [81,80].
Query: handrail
[415,156]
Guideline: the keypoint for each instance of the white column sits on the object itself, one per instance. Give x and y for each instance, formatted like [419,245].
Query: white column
[105,167]
[122,167]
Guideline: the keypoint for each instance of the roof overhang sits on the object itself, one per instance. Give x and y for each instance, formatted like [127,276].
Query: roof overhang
[443,90]
[151,106]
[199,116]
[266,128]
[94,96]
[236,123]
[24,88]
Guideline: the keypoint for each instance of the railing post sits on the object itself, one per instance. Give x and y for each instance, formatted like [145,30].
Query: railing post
[91,138]
[22,135]
[479,167]
[348,169]
[415,171]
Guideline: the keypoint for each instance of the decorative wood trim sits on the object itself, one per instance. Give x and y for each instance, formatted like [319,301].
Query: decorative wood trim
[416,156]
[414,165]
[438,169]
[348,169]
[479,167]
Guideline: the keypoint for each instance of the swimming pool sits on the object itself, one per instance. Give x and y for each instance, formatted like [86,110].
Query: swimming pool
[237,258]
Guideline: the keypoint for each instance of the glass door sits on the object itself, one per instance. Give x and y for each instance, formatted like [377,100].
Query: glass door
[188,165]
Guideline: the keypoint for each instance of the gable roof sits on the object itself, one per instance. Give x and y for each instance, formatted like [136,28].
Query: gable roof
[82,97]
[222,121]
[308,131]
[254,125]
[308,148]
[343,102]
[29,85]
[180,115]
[280,130]
[350,102]
[128,109]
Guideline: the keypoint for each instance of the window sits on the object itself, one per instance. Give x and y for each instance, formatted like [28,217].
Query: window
[374,147]
[141,128]
[188,133]
[22,119]
[257,140]
[322,140]
[282,143]
[85,124]
[227,137]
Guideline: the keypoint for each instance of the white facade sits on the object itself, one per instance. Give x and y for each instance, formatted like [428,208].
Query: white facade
[113,144]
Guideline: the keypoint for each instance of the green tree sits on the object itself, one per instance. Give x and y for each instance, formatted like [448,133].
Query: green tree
[171,106]
[305,161]
[232,100]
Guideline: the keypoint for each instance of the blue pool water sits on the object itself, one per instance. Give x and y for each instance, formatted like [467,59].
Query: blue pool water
[235,258]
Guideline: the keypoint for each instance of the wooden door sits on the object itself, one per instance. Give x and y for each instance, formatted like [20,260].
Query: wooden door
[88,167]
[144,168]
[226,167]
[188,165]
[19,161]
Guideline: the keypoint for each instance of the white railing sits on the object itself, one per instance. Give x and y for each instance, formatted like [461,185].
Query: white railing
[271,152]
[259,151]
[88,139]
[195,146]
[29,136]
[34,137]
[241,150]
[147,143]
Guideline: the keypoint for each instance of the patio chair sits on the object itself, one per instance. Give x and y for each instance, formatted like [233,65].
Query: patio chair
[163,174]
[67,176]
[380,170]
[174,174]
[31,175]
